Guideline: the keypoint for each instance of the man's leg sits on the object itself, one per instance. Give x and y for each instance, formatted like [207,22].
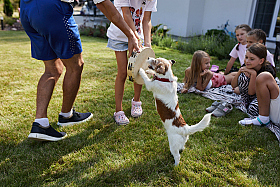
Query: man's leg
[53,70]
[71,85]
[72,80]
[41,129]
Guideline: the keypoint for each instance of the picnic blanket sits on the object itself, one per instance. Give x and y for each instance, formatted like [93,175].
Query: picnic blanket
[225,93]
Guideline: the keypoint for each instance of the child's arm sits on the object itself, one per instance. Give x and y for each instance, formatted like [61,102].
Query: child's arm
[110,11]
[147,27]
[202,84]
[128,19]
[234,81]
[252,74]
[229,65]
[185,89]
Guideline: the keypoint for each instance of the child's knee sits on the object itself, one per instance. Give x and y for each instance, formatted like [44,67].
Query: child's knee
[264,77]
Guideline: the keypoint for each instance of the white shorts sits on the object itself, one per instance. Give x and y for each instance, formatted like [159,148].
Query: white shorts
[274,113]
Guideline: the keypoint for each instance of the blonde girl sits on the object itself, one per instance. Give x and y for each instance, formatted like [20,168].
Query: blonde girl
[199,75]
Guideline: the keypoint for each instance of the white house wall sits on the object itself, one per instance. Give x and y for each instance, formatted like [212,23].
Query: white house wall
[193,17]
[174,14]
[217,12]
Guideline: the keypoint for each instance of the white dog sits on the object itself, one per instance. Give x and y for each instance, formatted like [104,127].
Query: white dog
[164,88]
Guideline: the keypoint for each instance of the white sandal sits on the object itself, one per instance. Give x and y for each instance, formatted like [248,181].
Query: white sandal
[120,118]
[136,109]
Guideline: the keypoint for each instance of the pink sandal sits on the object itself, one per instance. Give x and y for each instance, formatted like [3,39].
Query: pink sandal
[120,118]
[136,109]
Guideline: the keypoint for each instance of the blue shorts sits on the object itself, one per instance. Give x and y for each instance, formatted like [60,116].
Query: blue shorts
[117,45]
[51,28]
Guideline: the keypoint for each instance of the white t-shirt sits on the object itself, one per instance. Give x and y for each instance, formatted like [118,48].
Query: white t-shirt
[137,8]
[270,59]
[240,53]
[98,1]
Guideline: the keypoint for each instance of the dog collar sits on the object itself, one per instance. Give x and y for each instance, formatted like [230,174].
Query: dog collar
[161,79]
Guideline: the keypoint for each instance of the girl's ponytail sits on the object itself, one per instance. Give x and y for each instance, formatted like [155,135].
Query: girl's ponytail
[237,47]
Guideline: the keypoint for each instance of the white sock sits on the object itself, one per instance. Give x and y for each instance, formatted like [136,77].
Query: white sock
[263,119]
[43,122]
[68,114]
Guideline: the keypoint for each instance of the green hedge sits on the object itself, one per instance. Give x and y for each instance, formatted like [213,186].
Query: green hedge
[215,43]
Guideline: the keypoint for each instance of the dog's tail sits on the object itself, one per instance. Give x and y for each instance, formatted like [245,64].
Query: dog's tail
[201,125]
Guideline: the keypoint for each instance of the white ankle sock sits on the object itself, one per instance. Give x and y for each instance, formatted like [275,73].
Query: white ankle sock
[263,119]
[67,115]
[43,122]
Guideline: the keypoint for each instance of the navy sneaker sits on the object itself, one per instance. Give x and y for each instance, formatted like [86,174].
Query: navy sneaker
[41,133]
[76,118]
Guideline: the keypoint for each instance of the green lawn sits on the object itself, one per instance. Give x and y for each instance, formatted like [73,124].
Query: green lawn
[101,153]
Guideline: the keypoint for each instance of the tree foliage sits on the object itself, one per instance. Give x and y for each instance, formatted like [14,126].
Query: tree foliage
[8,8]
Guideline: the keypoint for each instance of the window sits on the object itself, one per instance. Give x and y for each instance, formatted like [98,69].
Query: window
[277,26]
[264,15]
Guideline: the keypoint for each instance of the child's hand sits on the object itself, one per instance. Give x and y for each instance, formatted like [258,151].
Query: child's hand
[248,72]
[206,72]
[184,90]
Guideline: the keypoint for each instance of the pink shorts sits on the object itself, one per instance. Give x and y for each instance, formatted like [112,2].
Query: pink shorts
[218,80]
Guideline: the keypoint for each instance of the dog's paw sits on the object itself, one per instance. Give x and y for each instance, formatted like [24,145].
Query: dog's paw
[141,71]
[150,72]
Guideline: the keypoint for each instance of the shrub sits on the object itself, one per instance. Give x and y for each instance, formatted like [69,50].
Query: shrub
[99,31]
[161,41]
[214,42]
[214,45]
[8,8]
[9,20]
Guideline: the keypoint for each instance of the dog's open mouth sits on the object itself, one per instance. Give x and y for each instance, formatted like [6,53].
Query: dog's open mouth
[151,67]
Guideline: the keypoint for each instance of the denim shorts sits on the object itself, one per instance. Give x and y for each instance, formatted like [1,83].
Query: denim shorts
[51,28]
[117,45]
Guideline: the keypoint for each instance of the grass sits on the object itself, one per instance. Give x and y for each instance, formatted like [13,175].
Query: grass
[101,153]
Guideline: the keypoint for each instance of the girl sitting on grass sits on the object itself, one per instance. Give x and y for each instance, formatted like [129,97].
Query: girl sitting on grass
[259,36]
[258,88]
[199,75]
[239,49]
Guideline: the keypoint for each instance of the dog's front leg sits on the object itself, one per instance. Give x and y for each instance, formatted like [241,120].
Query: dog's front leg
[147,80]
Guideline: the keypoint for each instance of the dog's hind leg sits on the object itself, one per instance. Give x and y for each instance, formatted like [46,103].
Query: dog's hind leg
[174,149]
[176,155]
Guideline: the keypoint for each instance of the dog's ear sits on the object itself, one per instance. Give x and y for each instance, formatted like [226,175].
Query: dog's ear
[172,61]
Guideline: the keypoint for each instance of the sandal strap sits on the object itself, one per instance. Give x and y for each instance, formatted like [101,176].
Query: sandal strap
[263,124]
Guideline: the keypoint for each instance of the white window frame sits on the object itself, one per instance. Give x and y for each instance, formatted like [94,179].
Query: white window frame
[273,22]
